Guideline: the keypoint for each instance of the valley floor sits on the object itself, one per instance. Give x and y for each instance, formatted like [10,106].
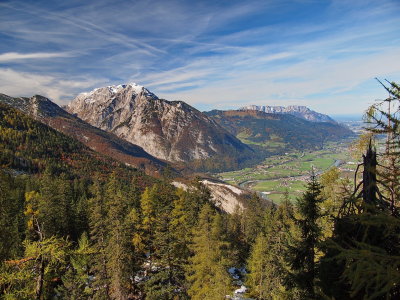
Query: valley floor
[289,172]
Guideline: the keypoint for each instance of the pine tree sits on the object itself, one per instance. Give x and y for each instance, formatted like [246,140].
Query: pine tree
[384,116]
[169,249]
[44,259]
[258,265]
[251,219]
[148,216]
[361,259]
[77,279]
[99,238]
[55,205]
[268,269]
[118,250]
[303,255]
[207,271]
[10,209]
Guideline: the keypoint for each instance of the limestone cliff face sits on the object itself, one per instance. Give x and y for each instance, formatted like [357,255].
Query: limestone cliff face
[170,130]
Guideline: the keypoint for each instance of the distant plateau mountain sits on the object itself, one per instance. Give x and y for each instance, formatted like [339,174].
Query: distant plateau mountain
[276,132]
[302,112]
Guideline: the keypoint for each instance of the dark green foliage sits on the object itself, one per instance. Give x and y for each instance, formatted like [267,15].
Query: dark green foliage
[267,267]
[261,130]
[207,271]
[168,217]
[303,254]
[75,225]
[11,217]
[361,259]
[245,225]
[76,280]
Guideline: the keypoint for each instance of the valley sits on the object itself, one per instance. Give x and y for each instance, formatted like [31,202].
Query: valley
[288,172]
[199,150]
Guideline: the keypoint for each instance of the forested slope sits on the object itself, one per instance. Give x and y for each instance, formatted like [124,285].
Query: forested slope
[69,232]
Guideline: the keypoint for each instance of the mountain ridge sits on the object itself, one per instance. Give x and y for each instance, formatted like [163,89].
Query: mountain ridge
[49,113]
[170,130]
[278,132]
[299,111]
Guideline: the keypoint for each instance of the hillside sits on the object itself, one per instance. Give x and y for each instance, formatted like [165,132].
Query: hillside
[170,130]
[103,142]
[28,146]
[277,132]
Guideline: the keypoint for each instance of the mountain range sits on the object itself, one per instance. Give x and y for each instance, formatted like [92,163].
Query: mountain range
[302,112]
[131,124]
[277,133]
[169,130]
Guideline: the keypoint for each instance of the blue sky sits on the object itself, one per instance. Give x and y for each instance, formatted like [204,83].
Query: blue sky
[211,54]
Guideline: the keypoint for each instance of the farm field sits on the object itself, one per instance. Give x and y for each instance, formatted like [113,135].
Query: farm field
[289,172]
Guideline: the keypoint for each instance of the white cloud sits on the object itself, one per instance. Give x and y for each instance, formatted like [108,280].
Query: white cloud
[298,83]
[203,54]
[14,56]
[22,84]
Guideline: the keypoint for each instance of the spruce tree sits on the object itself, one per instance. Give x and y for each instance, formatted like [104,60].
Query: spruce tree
[207,270]
[118,250]
[303,254]
[10,211]
[169,250]
[99,238]
[361,259]
[268,269]
[77,283]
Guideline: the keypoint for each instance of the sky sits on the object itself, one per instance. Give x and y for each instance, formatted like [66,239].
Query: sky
[210,54]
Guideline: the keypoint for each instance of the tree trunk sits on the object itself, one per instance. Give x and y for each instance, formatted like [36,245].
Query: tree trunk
[39,280]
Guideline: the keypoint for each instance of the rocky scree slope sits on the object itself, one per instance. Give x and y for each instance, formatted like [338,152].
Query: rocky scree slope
[170,130]
[49,113]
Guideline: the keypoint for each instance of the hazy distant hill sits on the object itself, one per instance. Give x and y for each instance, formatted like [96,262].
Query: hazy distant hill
[277,132]
[302,112]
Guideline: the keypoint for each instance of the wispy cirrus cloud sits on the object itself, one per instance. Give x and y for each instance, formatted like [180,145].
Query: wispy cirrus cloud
[14,56]
[58,88]
[210,54]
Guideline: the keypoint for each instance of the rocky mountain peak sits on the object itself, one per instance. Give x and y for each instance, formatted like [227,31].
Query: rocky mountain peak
[171,130]
[133,88]
[127,92]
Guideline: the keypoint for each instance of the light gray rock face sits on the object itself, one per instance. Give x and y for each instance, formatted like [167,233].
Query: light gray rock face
[170,130]
[299,111]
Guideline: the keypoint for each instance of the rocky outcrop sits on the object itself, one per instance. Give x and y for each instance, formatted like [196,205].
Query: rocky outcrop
[225,196]
[170,130]
[302,112]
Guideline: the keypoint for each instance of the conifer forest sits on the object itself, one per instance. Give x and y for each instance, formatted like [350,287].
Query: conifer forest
[77,225]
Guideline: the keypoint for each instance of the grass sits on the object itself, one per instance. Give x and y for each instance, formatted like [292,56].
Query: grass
[279,173]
